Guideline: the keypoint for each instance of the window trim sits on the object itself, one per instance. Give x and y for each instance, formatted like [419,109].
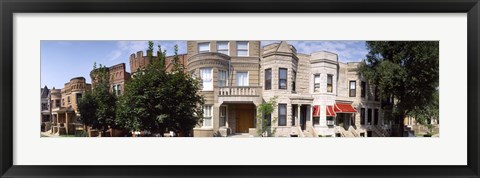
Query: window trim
[209,47]
[280,116]
[265,79]
[248,48]
[228,47]
[354,88]
[279,79]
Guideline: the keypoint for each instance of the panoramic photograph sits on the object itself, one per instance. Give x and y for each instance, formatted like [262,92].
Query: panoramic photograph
[239,88]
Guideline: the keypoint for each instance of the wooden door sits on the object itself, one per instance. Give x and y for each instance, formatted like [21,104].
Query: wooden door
[244,118]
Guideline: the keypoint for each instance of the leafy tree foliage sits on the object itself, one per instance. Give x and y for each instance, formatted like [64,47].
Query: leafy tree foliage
[405,72]
[157,100]
[263,109]
[105,100]
[87,106]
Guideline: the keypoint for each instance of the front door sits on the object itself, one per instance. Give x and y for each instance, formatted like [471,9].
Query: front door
[244,118]
[303,117]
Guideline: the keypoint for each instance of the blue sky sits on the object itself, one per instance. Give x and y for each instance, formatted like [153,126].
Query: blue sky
[63,60]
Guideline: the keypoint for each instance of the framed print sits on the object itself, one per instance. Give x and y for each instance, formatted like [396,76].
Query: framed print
[239,89]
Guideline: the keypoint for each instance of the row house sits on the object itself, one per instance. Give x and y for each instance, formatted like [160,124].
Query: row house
[316,94]
[63,106]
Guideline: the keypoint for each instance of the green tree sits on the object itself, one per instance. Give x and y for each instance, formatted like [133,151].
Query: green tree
[158,101]
[406,73]
[105,100]
[263,123]
[87,106]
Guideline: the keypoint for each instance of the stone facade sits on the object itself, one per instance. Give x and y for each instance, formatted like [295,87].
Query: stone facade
[307,83]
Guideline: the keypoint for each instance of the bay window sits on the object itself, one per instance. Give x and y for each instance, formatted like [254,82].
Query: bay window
[282,114]
[222,78]
[316,83]
[282,78]
[206,77]
[268,79]
[330,83]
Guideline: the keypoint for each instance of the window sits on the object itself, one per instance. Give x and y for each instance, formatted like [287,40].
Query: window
[330,83]
[78,97]
[375,117]
[268,79]
[223,115]
[242,78]
[316,83]
[242,48]
[117,89]
[204,47]
[222,78]
[57,103]
[362,116]
[316,120]
[68,99]
[222,47]
[207,116]
[364,86]
[369,122]
[206,77]
[63,102]
[353,88]
[282,114]
[282,78]
[294,78]
[377,97]
[268,119]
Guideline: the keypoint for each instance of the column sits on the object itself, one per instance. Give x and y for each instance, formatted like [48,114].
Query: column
[66,123]
[298,115]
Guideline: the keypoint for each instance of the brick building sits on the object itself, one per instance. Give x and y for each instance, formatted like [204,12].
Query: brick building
[63,105]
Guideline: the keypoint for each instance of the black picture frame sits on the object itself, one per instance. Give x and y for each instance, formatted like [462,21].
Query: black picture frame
[9,7]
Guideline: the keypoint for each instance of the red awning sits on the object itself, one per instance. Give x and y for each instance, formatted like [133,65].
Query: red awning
[316,111]
[344,108]
[330,111]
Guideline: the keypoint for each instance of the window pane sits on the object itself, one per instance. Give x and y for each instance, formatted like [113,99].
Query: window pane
[242,53]
[283,73]
[352,85]
[329,79]
[242,45]
[203,47]
[206,76]
[222,47]
[317,79]
[282,114]
[242,78]
[268,79]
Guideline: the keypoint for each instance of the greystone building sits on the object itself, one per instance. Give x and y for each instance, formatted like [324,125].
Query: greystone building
[316,94]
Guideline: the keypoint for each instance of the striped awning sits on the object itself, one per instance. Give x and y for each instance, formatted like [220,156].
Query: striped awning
[344,108]
[330,111]
[316,111]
